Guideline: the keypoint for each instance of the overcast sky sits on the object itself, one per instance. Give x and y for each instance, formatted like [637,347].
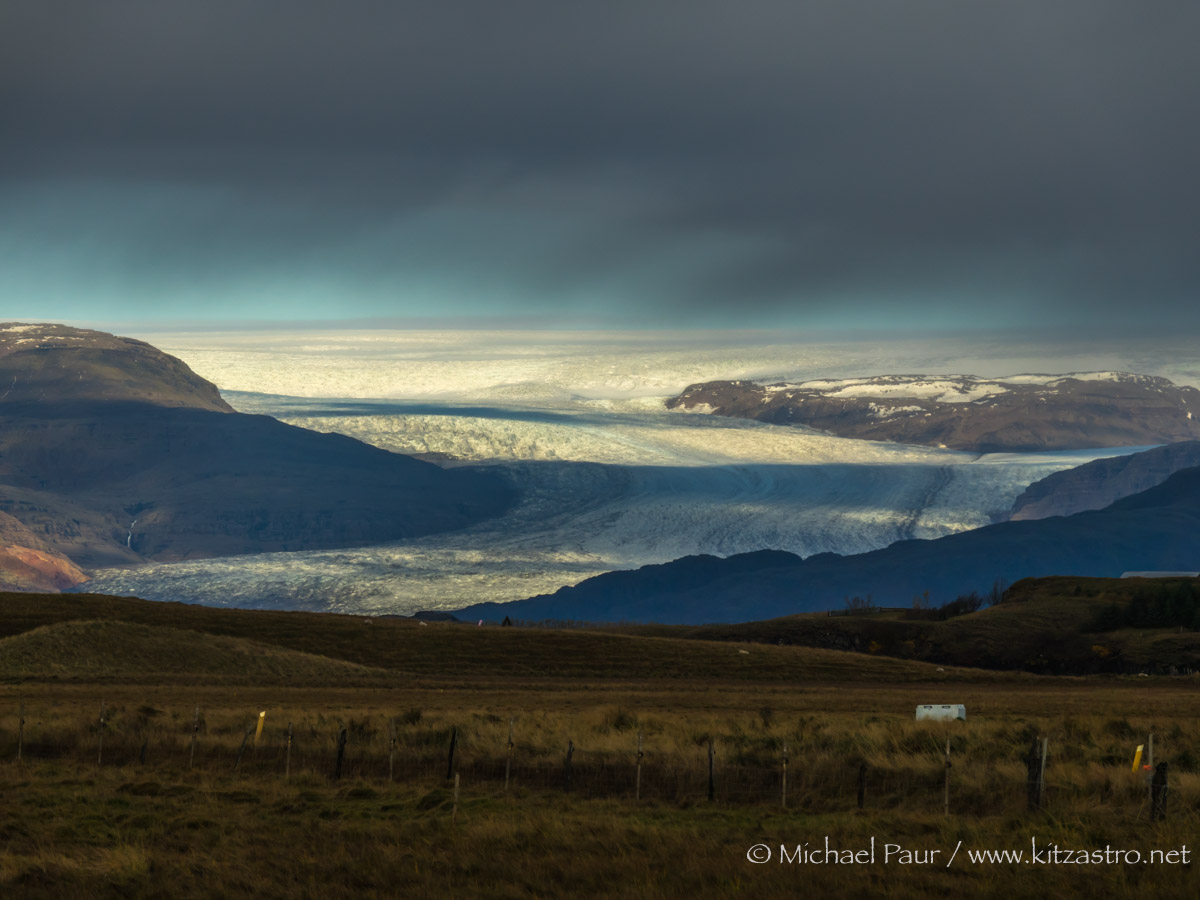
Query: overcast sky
[910,164]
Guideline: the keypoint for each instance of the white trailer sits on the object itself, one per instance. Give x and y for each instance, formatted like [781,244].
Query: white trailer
[944,711]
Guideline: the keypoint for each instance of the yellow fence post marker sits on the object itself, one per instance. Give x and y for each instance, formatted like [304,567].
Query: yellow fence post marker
[1137,758]
[262,717]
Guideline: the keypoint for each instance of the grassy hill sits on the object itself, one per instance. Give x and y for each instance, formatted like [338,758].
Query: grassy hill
[123,651]
[405,646]
[1051,625]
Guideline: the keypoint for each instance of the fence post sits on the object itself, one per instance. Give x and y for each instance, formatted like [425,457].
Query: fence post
[637,781]
[712,786]
[142,752]
[454,809]
[287,756]
[195,731]
[1150,767]
[509,756]
[103,725]
[1042,773]
[946,789]
[450,760]
[862,784]
[20,730]
[242,749]
[783,785]
[1158,793]
[392,749]
[1033,769]
[341,753]
[567,765]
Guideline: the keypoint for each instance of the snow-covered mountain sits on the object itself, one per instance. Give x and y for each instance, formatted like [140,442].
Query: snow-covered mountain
[965,412]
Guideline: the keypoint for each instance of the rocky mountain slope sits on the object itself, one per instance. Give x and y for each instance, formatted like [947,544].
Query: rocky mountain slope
[64,367]
[112,452]
[1096,484]
[1155,530]
[1011,414]
[28,564]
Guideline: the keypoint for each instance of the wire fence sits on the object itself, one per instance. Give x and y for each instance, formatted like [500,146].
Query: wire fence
[493,758]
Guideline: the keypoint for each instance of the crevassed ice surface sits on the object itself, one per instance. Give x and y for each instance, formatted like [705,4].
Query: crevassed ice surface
[611,479]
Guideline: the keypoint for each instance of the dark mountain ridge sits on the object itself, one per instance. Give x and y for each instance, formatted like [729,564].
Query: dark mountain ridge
[1155,530]
[73,368]
[112,453]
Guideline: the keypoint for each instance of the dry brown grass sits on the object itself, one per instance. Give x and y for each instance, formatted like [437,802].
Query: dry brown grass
[120,650]
[144,823]
[162,829]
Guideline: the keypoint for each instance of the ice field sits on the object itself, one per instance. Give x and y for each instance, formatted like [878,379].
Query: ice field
[611,479]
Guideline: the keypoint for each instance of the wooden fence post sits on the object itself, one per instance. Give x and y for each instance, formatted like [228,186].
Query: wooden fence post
[287,756]
[637,780]
[1150,768]
[862,784]
[1033,769]
[712,785]
[783,784]
[450,760]
[454,809]
[103,725]
[1158,793]
[946,789]
[20,730]
[142,752]
[392,750]
[567,765]
[509,756]
[341,753]
[242,749]
[1042,773]
[195,731]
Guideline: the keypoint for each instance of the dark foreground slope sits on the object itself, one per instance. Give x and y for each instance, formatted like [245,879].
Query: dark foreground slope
[1158,529]
[112,452]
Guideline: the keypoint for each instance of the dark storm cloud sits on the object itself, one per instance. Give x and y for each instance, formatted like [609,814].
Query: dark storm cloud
[682,155]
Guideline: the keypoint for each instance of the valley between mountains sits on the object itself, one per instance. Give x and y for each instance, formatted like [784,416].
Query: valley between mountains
[557,453]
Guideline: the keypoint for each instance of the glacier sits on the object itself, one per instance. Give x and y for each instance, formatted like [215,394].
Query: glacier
[611,478]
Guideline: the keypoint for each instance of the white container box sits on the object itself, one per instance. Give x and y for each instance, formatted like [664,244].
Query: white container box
[950,711]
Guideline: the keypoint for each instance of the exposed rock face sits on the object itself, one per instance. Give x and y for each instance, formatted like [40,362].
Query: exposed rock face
[112,453]
[28,564]
[1096,484]
[1011,414]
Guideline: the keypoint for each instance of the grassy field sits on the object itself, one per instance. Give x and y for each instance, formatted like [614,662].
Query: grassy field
[144,817]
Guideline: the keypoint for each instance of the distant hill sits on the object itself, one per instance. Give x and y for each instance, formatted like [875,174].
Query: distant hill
[112,452]
[1155,530]
[120,650]
[1048,625]
[1100,482]
[62,367]
[962,412]
[52,625]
